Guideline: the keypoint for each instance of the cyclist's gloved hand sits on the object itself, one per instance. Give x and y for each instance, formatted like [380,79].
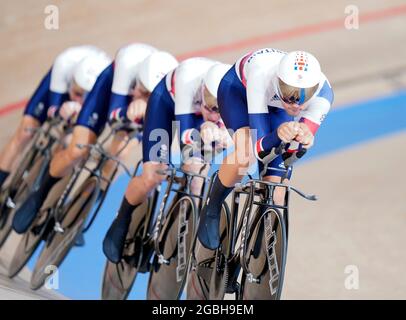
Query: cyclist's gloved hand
[117,116]
[136,110]
[69,110]
[215,134]
[305,136]
[190,137]
[288,131]
[52,112]
[190,144]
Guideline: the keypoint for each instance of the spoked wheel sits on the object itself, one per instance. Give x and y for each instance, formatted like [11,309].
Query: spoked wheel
[8,210]
[204,261]
[28,242]
[59,243]
[266,258]
[119,278]
[16,193]
[220,282]
[168,274]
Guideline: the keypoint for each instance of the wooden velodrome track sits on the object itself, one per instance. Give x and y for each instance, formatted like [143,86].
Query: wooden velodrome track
[356,221]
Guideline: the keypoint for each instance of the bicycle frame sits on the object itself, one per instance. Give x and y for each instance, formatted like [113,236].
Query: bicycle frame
[184,183]
[98,151]
[252,189]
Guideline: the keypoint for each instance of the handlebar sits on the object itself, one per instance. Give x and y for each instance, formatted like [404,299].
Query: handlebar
[99,149]
[289,158]
[251,182]
[126,126]
[172,170]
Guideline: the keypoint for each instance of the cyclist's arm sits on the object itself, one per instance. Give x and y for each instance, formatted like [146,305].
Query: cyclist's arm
[318,108]
[59,82]
[188,124]
[55,102]
[118,107]
[123,75]
[189,121]
[258,115]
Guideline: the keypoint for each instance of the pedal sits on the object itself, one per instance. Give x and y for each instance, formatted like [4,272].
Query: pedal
[10,203]
[58,228]
[251,278]
[162,260]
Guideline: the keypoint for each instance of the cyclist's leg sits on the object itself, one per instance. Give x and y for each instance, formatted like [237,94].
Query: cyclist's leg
[64,161]
[234,112]
[141,186]
[157,139]
[237,163]
[274,175]
[121,147]
[34,115]
[279,193]
[62,164]
[198,167]
[137,192]
[18,142]
[91,121]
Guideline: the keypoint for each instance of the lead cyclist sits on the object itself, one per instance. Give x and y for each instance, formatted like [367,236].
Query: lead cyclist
[267,97]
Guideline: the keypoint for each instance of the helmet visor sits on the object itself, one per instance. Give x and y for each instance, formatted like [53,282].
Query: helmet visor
[209,102]
[76,92]
[295,95]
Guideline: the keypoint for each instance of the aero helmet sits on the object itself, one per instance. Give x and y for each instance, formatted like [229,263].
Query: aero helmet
[89,68]
[153,68]
[299,75]
[213,77]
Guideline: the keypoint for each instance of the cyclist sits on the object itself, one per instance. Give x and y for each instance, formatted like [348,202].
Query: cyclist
[187,94]
[65,84]
[272,96]
[94,115]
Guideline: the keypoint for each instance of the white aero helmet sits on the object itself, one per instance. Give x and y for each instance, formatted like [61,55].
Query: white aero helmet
[299,75]
[153,68]
[89,68]
[213,77]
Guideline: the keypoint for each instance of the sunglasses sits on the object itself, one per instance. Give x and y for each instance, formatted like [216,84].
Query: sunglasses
[291,100]
[78,93]
[212,109]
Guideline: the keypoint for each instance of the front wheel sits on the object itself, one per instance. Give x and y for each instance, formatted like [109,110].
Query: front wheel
[28,242]
[204,263]
[16,194]
[265,257]
[59,244]
[168,273]
[119,278]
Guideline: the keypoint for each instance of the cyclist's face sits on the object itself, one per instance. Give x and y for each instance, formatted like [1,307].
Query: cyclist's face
[209,107]
[292,109]
[76,93]
[140,92]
